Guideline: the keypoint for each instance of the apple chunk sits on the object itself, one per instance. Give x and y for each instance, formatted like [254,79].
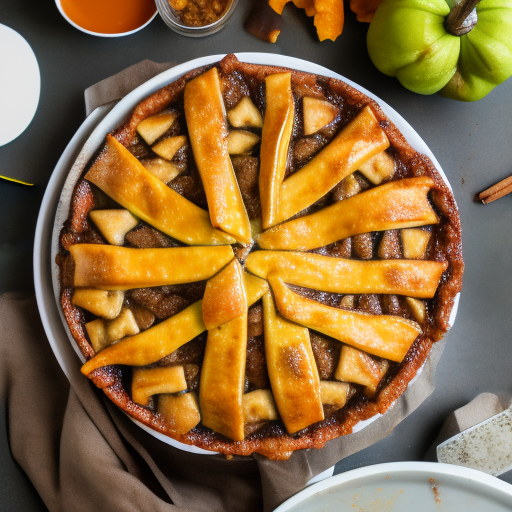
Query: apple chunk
[385,336]
[291,369]
[208,131]
[160,168]
[147,382]
[361,139]
[155,126]
[415,242]
[259,406]
[223,377]
[378,168]
[317,113]
[104,303]
[275,141]
[334,394]
[245,115]
[338,275]
[122,177]
[241,142]
[398,204]
[360,368]
[224,296]
[113,224]
[102,333]
[122,268]
[123,325]
[417,308]
[167,148]
[180,412]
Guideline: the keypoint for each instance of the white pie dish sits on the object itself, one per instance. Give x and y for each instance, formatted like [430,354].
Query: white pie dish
[404,487]
[55,206]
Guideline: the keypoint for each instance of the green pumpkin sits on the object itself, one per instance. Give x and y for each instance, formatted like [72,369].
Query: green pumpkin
[408,39]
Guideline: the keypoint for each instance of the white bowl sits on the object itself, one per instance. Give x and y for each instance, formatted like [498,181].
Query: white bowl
[58,3]
[55,205]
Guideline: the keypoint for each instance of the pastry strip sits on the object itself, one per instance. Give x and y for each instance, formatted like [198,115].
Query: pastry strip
[121,268]
[395,205]
[208,131]
[122,177]
[291,369]
[361,139]
[416,278]
[385,336]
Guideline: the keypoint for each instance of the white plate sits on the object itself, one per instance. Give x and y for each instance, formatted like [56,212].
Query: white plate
[405,487]
[20,84]
[55,206]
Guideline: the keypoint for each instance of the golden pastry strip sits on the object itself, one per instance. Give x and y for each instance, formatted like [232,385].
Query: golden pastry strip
[208,130]
[416,278]
[147,382]
[152,344]
[275,140]
[381,335]
[121,268]
[222,379]
[122,177]
[398,204]
[223,370]
[255,288]
[224,297]
[291,369]
[156,342]
[355,144]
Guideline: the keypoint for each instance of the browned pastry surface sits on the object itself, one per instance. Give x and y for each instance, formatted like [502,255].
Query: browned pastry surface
[155,304]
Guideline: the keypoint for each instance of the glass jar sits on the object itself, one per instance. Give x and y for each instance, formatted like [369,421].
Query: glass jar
[172,20]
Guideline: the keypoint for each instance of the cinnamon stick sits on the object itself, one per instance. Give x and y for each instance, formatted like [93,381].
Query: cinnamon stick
[502,188]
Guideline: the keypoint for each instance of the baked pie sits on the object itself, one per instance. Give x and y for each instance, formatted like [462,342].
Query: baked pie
[256,260]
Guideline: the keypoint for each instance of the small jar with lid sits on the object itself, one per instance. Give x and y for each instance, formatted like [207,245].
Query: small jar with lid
[196,18]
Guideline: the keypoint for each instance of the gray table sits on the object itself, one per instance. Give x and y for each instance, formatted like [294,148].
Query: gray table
[473,143]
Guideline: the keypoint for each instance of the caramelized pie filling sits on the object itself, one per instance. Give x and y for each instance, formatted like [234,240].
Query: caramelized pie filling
[273,294]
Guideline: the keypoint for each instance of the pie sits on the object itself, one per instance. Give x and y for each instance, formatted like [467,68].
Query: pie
[256,260]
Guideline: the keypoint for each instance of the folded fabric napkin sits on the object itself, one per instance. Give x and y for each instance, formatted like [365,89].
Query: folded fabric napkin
[82,453]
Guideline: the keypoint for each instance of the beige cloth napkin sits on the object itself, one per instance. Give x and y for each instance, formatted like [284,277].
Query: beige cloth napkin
[83,454]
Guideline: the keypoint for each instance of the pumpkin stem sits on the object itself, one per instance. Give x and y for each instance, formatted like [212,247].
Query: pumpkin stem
[462,18]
